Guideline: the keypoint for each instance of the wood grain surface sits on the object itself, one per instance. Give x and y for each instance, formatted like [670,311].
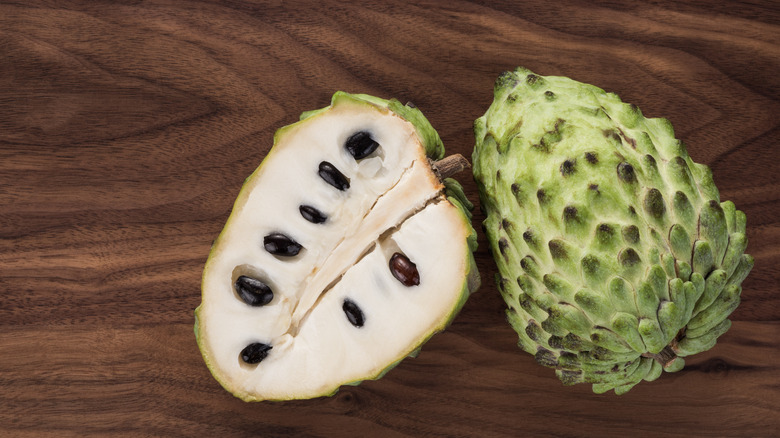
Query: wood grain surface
[127,129]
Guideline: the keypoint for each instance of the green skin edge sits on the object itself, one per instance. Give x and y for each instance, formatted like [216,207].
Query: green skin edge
[435,151]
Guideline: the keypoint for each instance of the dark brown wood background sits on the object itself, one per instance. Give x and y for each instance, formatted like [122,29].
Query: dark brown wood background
[127,129]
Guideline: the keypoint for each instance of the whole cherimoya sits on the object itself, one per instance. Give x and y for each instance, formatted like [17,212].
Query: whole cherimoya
[616,256]
[345,251]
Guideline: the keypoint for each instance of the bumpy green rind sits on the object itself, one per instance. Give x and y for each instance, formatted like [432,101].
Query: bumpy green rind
[616,257]
[453,192]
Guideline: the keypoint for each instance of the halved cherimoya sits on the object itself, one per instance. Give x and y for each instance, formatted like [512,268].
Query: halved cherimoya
[346,250]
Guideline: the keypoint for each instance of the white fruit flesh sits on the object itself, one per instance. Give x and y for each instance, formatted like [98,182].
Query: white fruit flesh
[394,204]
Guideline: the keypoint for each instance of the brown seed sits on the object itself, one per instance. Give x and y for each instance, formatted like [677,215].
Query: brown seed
[404,270]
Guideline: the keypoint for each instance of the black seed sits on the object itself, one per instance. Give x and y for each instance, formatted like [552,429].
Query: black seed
[631,210]
[498,175]
[631,234]
[281,245]
[353,312]
[252,291]
[515,188]
[628,258]
[531,79]
[332,176]
[594,187]
[567,168]
[541,196]
[404,270]
[626,173]
[591,157]
[549,95]
[505,224]
[312,215]
[360,145]
[255,353]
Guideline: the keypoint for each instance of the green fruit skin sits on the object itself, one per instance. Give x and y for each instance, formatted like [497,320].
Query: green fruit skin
[608,238]
[453,191]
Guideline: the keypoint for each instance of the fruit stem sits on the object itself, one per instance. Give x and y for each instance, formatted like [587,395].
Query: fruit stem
[668,355]
[448,166]
[665,357]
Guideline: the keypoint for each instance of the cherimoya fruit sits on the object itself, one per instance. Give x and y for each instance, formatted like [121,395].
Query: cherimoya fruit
[616,256]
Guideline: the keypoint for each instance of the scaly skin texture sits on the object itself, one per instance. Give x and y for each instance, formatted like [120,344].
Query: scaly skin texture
[616,257]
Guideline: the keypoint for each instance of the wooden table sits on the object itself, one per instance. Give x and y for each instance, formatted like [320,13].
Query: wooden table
[127,129]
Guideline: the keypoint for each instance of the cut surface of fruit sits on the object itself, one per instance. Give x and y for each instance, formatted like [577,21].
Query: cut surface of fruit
[301,292]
